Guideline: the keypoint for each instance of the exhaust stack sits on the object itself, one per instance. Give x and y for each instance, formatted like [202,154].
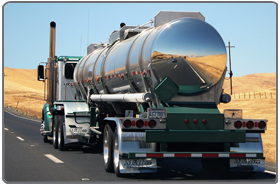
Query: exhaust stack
[51,68]
[52,39]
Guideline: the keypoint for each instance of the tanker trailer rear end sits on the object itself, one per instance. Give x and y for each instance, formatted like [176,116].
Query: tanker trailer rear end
[153,93]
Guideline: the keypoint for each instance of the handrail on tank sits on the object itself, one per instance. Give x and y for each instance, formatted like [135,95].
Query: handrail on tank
[151,21]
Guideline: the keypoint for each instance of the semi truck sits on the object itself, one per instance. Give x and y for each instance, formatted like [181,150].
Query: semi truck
[151,93]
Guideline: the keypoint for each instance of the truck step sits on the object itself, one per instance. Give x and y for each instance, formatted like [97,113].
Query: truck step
[95,130]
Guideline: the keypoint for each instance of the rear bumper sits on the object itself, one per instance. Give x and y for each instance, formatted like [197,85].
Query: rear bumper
[195,136]
[217,155]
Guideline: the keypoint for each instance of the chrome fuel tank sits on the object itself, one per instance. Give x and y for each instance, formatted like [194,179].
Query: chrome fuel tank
[187,50]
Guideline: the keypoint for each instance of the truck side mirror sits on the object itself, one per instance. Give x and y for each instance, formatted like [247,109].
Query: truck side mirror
[40,72]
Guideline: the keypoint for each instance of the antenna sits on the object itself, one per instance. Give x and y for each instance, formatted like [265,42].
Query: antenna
[81,44]
[88,29]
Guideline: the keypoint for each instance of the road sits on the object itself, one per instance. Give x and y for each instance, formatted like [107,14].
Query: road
[27,158]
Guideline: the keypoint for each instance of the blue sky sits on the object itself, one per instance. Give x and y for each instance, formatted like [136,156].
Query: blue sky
[251,28]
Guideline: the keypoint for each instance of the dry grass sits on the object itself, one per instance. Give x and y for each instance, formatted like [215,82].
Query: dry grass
[259,109]
[24,92]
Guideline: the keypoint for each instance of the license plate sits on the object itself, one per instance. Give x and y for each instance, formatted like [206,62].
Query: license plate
[76,130]
[138,165]
[157,113]
[129,163]
[245,162]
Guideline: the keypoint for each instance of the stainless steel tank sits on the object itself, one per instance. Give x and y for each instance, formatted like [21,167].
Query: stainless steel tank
[187,50]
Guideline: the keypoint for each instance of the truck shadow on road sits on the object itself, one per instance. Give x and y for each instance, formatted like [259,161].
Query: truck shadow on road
[180,169]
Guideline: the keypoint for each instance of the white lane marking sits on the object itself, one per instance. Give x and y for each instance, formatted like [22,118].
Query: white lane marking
[6,129]
[197,74]
[20,116]
[54,159]
[270,172]
[20,138]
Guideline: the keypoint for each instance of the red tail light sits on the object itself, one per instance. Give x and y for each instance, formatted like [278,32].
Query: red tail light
[127,123]
[250,124]
[262,124]
[238,124]
[140,123]
[204,121]
[186,121]
[195,121]
[152,123]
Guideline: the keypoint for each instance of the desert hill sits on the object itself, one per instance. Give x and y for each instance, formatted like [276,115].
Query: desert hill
[251,83]
[23,92]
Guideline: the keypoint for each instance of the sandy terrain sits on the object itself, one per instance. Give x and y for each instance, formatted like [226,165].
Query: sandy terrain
[24,92]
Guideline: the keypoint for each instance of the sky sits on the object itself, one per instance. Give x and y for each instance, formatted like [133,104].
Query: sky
[250,27]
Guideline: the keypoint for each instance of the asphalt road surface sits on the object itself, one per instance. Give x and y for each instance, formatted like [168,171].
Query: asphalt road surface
[27,158]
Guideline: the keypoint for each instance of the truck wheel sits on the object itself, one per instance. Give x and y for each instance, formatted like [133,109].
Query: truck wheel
[108,148]
[116,154]
[55,127]
[45,139]
[60,135]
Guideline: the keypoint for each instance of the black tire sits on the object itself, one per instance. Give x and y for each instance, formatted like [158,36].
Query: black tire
[55,132]
[60,135]
[108,148]
[45,139]
[116,158]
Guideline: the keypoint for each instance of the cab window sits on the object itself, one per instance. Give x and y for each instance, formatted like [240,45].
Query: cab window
[69,70]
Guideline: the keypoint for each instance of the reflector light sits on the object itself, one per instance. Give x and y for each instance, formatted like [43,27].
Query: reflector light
[256,124]
[244,124]
[127,123]
[238,124]
[152,123]
[204,121]
[195,121]
[262,124]
[146,123]
[250,124]
[186,121]
[140,123]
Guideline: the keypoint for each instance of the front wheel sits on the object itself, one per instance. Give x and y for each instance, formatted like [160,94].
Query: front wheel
[45,139]
[107,148]
[60,135]
[55,131]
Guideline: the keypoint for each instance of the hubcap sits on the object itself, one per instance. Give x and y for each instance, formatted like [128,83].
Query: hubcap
[54,137]
[105,147]
[116,152]
[59,136]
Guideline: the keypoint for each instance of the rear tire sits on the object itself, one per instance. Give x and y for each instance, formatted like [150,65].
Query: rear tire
[55,132]
[116,154]
[108,148]
[60,135]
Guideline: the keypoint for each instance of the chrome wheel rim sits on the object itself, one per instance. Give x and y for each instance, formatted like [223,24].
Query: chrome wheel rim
[59,136]
[105,147]
[54,137]
[116,152]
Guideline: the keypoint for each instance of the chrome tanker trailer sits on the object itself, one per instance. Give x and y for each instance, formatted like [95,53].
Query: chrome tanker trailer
[151,92]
